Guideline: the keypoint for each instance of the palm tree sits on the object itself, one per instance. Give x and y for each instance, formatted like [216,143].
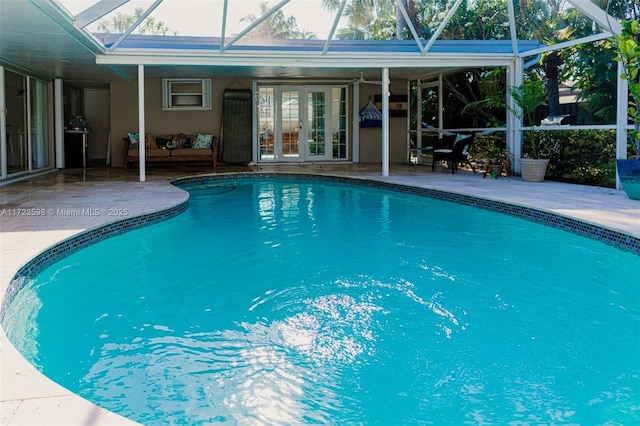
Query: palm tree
[120,23]
[366,19]
[276,25]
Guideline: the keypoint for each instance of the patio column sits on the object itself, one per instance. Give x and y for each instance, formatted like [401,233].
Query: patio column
[385,122]
[142,140]
[58,122]
[515,77]
[621,119]
[355,132]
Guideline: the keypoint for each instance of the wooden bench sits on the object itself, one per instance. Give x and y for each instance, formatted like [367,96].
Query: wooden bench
[168,155]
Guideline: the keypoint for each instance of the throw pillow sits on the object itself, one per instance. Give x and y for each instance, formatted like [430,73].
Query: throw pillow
[163,142]
[203,141]
[150,142]
[133,137]
[181,141]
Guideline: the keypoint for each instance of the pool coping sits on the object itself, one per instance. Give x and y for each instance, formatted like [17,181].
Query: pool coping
[68,402]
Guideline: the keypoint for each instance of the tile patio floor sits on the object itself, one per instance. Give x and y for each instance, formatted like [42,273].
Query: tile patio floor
[29,398]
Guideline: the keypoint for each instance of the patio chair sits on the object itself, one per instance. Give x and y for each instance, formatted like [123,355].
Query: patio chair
[446,141]
[458,153]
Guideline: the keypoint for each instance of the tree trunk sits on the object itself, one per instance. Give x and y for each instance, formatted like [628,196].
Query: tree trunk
[401,23]
[552,64]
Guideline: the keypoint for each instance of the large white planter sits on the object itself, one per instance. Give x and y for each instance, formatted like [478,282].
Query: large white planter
[533,169]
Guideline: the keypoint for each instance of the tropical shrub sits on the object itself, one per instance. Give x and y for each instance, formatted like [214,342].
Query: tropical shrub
[580,156]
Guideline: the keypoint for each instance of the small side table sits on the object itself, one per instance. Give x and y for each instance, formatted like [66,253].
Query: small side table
[416,154]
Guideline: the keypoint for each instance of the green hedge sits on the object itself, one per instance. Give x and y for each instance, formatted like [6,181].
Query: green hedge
[577,156]
[580,156]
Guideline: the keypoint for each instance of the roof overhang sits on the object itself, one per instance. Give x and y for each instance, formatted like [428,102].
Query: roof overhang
[309,54]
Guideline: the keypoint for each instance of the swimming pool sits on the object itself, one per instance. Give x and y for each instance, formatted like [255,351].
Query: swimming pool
[332,303]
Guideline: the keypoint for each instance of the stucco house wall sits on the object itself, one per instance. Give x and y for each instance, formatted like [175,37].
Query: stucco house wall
[124,118]
[124,114]
[371,137]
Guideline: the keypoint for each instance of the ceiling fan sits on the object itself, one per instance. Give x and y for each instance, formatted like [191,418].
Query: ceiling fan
[363,80]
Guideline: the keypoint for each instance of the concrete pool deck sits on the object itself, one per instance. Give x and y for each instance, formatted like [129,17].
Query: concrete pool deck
[42,211]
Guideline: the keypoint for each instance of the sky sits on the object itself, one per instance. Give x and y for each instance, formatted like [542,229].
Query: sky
[203,17]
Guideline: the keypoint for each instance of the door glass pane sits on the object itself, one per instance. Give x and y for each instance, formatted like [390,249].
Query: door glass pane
[316,126]
[290,124]
[40,151]
[339,122]
[16,101]
[266,124]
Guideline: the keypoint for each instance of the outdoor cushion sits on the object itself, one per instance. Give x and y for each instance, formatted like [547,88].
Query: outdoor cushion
[202,140]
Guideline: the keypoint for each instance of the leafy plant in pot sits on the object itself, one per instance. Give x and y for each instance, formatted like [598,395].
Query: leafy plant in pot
[528,97]
[627,52]
[494,155]
[495,160]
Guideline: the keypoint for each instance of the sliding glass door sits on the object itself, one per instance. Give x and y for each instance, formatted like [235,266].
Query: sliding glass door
[16,144]
[27,143]
[39,124]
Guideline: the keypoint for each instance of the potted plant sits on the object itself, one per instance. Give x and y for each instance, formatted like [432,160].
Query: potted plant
[528,97]
[492,155]
[494,169]
[627,52]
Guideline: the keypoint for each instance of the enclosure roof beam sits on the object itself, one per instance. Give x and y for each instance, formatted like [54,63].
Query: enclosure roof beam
[599,16]
[334,26]
[409,22]
[566,44]
[512,26]
[257,22]
[136,24]
[97,11]
[440,28]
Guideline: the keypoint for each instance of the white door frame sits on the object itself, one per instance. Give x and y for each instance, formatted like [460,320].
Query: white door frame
[301,122]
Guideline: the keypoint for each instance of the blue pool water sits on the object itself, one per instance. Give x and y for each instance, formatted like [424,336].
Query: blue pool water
[300,302]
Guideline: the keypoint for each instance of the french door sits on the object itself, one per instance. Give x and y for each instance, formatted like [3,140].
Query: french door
[290,125]
[296,124]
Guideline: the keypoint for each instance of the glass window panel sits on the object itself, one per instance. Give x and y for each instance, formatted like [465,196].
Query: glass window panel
[16,101]
[266,123]
[339,122]
[316,125]
[39,107]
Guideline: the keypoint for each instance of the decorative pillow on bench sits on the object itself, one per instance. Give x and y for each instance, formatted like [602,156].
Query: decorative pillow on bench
[202,141]
[163,143]
[180,147]
[134,139]
[180,141]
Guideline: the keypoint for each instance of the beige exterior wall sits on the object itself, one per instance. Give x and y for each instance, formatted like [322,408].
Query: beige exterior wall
[371,137]
[124,113]
[124,118]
